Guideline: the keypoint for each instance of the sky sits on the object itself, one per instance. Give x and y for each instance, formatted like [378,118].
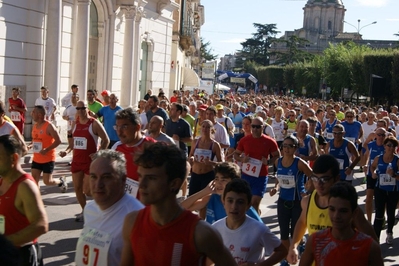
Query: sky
[230,22]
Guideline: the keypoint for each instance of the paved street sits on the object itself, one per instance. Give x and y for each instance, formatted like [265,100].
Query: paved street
[59,243]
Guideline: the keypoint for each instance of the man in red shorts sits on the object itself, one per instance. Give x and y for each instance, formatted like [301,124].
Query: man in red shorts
[85,142]
[22,215]
[163,233]
[17,109]
[131,141]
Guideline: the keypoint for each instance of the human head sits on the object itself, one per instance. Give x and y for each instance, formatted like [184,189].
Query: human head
[10,153]
[326,167]
[175,110]
[246,123]
[15,92]
[156,124]
[81,108]
[107,177]
[167,160]
[128,125]
[239,186]
[44,92]
[224,173]
[74,98]
[112,100]
[153,102]
[303,128]
[338,131]
[290,144]
[390,143]
[90,96]
[75,88]
[211,113]
[345,191]
[257,127]
[38,113]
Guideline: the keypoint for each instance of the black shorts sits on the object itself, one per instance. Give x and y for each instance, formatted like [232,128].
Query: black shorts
[370,182]
[47,168]
[31,255]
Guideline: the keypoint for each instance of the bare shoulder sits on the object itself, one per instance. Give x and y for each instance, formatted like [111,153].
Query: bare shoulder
[305,202]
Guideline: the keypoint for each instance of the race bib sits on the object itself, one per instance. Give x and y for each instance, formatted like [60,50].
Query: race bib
[386,180]
[252,167]
[93,247]
[2,224]
[341,164]
[238,163]
[15,116]
[79,143]
[200,155]
[236,130]
[37,147]
[330,135]
[131,187]
[290,131]
[351,139]
[286,181]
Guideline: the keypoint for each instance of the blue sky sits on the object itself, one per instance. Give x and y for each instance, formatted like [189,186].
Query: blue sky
[229,22]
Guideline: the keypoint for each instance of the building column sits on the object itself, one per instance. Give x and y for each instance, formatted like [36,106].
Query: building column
[135,97]
[129,13]
[81,44]
[53,49]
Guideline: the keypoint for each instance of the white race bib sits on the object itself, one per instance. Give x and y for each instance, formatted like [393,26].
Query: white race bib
[131,187]
[201,154]
[37,147]
[386,180]
[286,181]
[79,143]
[341,164]
[236,130]
[92,248]
[15,116]
[351,139]
[290,131]
[2,224]
[252,167]
[330,135]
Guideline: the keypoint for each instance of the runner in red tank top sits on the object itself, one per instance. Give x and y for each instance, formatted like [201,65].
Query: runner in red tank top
[163,233]
[131,142]
[17,109]
[22,215]
[85,135]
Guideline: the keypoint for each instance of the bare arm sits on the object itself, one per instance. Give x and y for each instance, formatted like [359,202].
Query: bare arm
[29,203]
[375,258]
[54,134]
[99,130]
[279,254]
[307,257]
[352,149]
[209,242]
[200,199]
[127,258]
[21,140]
[362,225]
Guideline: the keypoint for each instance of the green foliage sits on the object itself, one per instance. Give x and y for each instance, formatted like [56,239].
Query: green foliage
[206,51]
[295,52]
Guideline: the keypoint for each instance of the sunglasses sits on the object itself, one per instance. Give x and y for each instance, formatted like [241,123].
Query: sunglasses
[337,133]
[380,135]
[389,145]
[290,146]
[256,126]
[80,108]
[323,179]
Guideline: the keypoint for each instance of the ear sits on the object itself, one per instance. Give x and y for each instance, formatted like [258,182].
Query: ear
[175,184]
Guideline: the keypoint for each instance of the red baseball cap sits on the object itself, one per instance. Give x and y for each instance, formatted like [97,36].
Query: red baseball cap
[105,93]
[203,107]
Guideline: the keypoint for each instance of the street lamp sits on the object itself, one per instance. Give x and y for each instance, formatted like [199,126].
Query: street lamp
[358,28]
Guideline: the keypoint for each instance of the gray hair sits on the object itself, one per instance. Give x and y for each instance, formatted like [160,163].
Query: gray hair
[114,156]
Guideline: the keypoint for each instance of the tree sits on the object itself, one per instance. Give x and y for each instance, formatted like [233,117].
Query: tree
[206,51]
[295,51]
[256,48]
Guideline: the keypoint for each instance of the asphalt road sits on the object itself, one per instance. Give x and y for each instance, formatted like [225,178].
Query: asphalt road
[58,245]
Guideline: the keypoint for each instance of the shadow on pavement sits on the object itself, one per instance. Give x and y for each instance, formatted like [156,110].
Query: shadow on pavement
[67,246]
[65,225]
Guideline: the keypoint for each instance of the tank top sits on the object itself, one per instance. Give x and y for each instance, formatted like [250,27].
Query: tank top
[304,148]
[170,244]
[342,155]
[384,181]
[6,128]
[374,150]
[316,218]
[329,251]
[278,128]
[291,180]
[352,130]
[11,220]
[201,154]
[84,141]
[291,126]
[329,129]
[42,140]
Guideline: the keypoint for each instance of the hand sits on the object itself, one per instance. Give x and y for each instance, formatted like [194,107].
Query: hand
[292,256]
[374,175]
[29,147]
[264,161]
[43,151]
[62,154]
[245,158]
[175,137]
[273,192]
[211,187]
[348,171]
[390,172]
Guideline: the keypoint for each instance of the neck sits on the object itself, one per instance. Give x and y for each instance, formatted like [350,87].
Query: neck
[234,224]
[137,138]
[155,135]
[322,201]
[162,214]
[343,234]
[13,174]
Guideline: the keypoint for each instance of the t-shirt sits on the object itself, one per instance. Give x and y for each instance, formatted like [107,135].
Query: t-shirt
[163,138]
[109,120]
[367,129]
[70,112]
[181,128]
[95,107]
[101,224]
[251,242]
[48,104]
[160,112]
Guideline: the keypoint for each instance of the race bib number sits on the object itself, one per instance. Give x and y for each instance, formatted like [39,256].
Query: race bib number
[236,130]
[15,116]
[2,224]
[93,247]
[37,147]
[290,131]
[286,181]
[330,135]
[341,164]
[352,139]
[200,155]
[238,163]
[252,167]
[131,187]
[386,180]
[79,143]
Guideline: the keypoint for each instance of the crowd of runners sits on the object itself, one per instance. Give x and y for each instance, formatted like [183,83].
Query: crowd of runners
[218,152]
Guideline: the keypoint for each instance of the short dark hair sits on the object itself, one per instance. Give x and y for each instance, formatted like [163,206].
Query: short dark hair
[212,108]
[228,170]
[346,191]
[92,91]
[185,107]
[74,86]
[238,186]
[154,98]
[41,109]
[2,108]
[179,107]
[324,163]
[11,145]
[159,154]
[44,88]
[129,114]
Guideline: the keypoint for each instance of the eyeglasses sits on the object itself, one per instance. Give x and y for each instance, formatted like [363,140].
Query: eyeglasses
[80,108]
[338,133]
[380,135]
[349,116]
[123,127]
[290,146]
[292,115]
[323,179]
[389,145]
[256,126]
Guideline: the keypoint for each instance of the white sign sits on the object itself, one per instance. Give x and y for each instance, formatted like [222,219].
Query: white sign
[208,70]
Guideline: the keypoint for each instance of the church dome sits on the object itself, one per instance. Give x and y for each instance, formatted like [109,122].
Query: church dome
[337,2]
